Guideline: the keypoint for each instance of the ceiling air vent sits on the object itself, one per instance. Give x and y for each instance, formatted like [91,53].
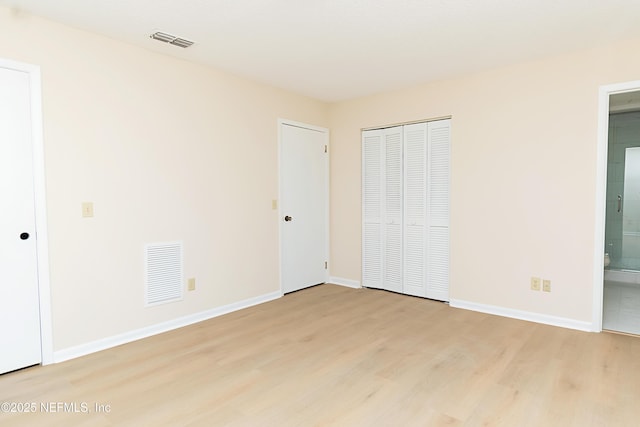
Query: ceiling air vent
[168,38]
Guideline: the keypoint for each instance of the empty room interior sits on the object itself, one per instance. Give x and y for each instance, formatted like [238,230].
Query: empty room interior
[388,213]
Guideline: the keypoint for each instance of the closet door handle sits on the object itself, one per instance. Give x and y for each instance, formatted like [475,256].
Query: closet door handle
[619,202]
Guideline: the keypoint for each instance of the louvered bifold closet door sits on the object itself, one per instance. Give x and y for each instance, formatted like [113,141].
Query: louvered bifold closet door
[392,236]
[372,214]
[415,209]
[438,143]
[406,209]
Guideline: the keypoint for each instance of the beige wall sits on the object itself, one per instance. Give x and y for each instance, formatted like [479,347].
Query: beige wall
[170,150]
[523,182]
[167,150]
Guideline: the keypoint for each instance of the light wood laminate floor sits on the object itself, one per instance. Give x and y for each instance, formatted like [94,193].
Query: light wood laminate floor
[334,356]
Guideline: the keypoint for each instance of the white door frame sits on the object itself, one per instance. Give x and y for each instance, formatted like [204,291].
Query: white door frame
[42,242]
[601,194]
[282,122]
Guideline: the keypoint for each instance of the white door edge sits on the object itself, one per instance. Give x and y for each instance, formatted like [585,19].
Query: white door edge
[42,242]
[601,188]
[287,122]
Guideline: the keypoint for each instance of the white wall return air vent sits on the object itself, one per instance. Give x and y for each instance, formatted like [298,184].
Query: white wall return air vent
[163,273]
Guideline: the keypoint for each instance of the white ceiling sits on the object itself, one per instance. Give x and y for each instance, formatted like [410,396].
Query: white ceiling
[334,50]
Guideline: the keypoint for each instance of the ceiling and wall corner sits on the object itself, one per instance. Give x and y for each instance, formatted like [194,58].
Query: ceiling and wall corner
[331,50]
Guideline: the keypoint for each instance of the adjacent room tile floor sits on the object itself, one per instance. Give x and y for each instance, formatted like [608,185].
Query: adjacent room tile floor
[621,308]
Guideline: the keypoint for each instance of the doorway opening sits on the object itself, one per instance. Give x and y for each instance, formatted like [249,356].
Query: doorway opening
[617,243]
[621,292]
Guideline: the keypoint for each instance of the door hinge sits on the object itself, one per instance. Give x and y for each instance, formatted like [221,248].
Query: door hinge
[325,265]
[325,148]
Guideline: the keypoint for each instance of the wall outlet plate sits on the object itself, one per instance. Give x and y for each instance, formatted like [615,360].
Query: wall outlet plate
[535,283]
[87,209]
[546,285]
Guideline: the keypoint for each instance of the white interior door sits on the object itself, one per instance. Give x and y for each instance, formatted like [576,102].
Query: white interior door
[19,300]
[415,236]
[372,209]
[303,206]
[405,209]
[439,142]
[393,197]
[382,202]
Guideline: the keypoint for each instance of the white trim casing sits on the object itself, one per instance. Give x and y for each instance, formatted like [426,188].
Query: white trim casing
[601,194]
[109,342]
[562,322]
[39,186]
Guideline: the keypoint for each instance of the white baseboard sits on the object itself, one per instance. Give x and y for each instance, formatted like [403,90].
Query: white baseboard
[345,282]
[524,315]
[105,343]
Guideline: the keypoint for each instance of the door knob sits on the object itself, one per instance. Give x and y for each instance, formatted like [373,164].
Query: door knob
[24,236]
[287,218]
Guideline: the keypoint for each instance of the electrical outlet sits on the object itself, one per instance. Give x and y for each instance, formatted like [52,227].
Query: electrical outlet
[191,284]
[274,204]
[546,285]
[535,283]
[87,209]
